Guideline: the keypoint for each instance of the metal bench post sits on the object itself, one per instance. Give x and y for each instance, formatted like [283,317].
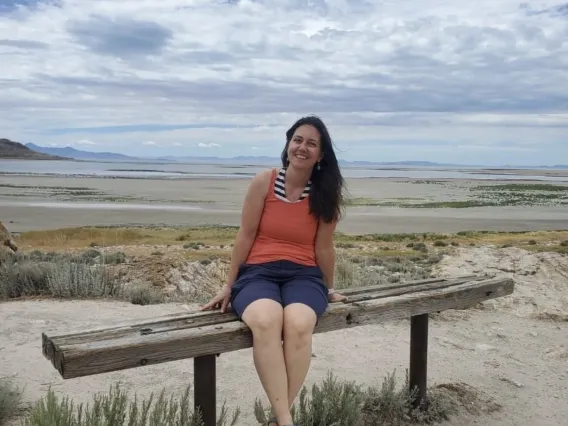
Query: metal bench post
[205,384]
[419,358]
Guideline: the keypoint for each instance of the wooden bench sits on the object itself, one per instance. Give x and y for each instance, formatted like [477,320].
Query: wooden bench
[205,335]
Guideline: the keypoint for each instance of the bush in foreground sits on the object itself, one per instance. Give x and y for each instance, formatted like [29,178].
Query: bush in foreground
[114,409]
[332,403]
[10,397]
[344,403]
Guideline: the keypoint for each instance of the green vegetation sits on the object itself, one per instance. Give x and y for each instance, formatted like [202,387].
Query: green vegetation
[60,275]
[66,193]
[337,402]
[521,187]
[497,195]
[332,402]
[10,399]
[115,409]
[361,260]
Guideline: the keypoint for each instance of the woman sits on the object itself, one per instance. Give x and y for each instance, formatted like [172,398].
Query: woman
[281,275]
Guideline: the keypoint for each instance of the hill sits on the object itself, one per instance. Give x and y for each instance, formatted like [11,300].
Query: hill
[17,151]
[78,154]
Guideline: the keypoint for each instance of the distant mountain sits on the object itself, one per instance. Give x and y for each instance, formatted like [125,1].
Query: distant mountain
[15,150]
[78,154]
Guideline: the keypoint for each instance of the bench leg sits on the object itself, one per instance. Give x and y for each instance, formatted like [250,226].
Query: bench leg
[419,357]
[204,392]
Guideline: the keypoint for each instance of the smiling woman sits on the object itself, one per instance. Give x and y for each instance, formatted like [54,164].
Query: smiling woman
[281,276]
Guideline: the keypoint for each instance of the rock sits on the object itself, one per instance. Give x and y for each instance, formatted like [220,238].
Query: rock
[6,241]
[511,381]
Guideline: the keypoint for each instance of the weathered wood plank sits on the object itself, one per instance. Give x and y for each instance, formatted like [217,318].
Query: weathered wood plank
[414,283]
[88,355]
[200,319]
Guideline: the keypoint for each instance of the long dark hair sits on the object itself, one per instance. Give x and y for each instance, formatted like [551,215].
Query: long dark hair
[326,192]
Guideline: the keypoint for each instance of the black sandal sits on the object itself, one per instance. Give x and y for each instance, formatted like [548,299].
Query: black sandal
[272,420]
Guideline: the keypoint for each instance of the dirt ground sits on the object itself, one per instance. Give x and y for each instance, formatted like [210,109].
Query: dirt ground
[514,351]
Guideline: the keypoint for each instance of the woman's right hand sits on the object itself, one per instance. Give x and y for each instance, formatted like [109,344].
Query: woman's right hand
[220,300]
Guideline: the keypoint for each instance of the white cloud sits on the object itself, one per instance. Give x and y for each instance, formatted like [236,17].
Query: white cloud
[439,76]
[208,145]
[85,142]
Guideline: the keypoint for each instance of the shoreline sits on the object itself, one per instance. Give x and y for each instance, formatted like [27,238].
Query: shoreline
[376,205]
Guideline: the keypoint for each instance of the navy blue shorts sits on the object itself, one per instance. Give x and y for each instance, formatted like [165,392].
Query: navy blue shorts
[283,281]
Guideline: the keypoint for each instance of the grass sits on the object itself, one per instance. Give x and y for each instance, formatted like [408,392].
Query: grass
[114,408]
[59,275]
[79,237]
[10,399]
[215,236]
[497,195]
[330,402]
[345,403]
[85,271]
[522,187]
[72,264]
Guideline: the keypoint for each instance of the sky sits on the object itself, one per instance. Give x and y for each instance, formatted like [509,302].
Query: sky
[482,82]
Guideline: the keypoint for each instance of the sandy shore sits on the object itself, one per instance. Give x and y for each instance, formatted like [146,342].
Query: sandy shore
[194,202]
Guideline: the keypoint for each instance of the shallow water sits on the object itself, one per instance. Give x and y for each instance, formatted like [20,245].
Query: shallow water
[243,171]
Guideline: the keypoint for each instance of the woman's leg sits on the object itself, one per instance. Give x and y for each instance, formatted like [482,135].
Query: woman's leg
[299,323]
[265,319]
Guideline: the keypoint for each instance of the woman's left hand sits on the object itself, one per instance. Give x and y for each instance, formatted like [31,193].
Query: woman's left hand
[336,297]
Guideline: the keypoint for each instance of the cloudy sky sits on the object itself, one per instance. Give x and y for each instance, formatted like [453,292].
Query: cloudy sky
[482,81]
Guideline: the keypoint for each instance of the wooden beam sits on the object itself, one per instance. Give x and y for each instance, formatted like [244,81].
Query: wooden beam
[200,319]
[200,334]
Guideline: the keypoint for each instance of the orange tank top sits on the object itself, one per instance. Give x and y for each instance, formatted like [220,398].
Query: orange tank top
[287,230]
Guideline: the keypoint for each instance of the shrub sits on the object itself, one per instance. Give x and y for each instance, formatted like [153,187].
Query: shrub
[334,403]
[10,398]
[73,279]
[56,274]
[344,403]
[114,409]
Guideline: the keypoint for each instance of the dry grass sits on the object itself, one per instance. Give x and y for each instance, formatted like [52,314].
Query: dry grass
[116,409]
[80,237]
[331,402]
[10,398]
[345,403]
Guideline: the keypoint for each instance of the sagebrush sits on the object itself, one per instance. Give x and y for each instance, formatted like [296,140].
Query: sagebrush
[345,403]
[115,409]
[10,397]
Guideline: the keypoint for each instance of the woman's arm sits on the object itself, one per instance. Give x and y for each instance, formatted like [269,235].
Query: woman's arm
[250,218]
[325,256]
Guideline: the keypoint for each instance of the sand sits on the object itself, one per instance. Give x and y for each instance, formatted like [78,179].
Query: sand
[192,202]
[514,350]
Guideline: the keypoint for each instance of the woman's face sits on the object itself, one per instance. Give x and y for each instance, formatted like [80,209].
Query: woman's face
[304,149]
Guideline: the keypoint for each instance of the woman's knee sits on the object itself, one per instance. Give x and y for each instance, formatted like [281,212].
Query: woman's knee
[264,316]
[299,322]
